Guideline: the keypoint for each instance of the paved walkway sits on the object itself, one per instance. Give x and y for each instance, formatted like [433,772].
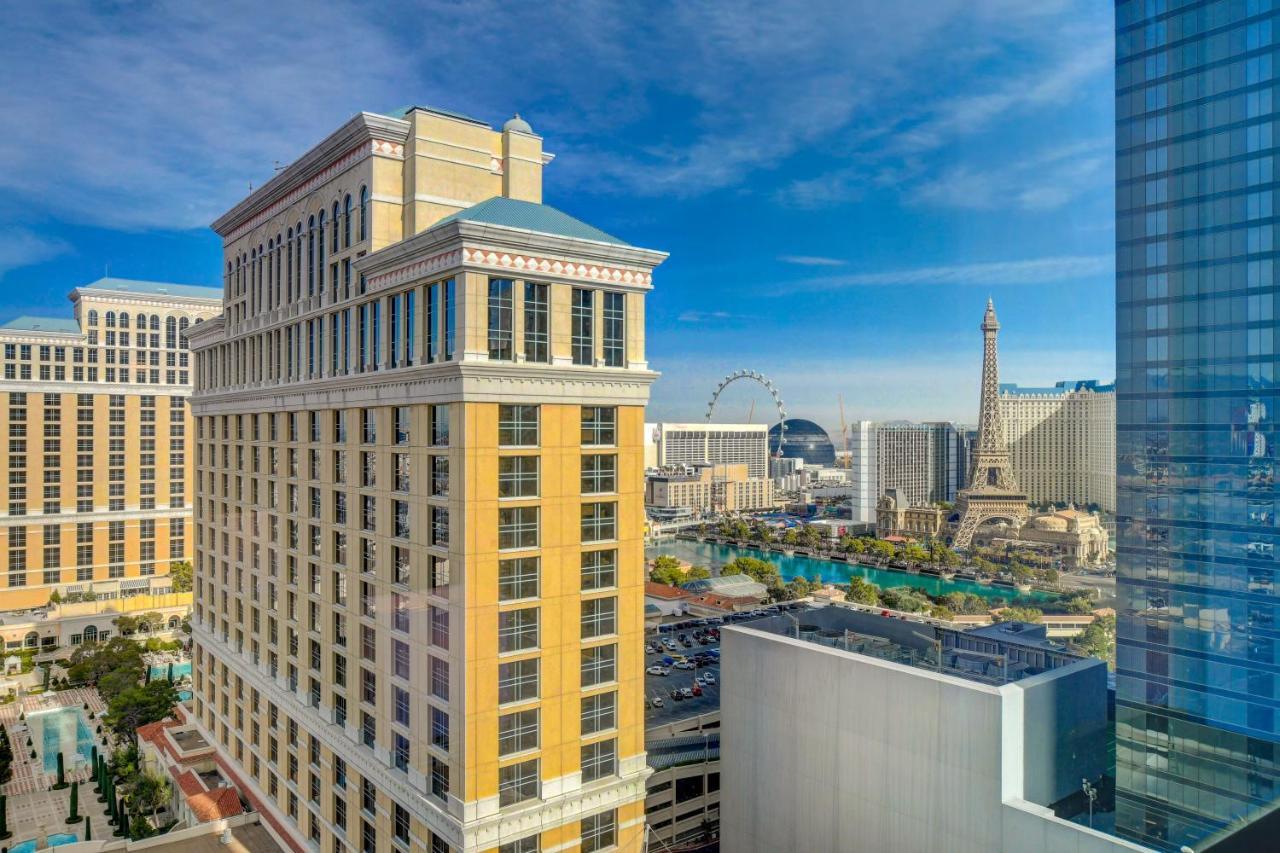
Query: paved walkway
[28,772]
[45,813]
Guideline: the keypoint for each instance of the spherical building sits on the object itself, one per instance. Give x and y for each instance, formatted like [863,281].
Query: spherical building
[804,440]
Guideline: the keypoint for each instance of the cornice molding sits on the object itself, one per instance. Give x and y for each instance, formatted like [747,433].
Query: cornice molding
[127,297]
[440,383]
[365,135]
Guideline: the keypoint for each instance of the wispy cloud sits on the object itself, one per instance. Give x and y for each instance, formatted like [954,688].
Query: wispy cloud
[21,248]
[812,261]
[709,316]
[1047,180]
[1029,272]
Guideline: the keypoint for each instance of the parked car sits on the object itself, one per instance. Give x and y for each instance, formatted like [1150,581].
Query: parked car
[687,692]
[697,690]
[709,678]
[657,702]
[658,670]
[684,664]
[677,693]
[699,681]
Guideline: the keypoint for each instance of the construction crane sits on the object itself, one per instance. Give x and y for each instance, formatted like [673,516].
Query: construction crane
[751,413]
[844,433]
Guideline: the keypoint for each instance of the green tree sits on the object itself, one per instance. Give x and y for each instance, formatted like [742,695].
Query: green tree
[863,591]
[799,587]
[1018,614]
[139,705]
[666,561]
[1079,604]
[791,537]
[180,573]
[939,611]
[73,815]
[1099,640]
[697,573]
[666,569]
[149,793]
[915,552]
[126,624]
[904,598]
[758,570]
[882,549]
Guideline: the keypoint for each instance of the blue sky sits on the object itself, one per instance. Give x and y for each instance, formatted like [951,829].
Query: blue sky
[841,185]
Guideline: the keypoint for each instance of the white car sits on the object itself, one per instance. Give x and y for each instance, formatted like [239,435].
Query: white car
[700,681]
[686,664]
[708,678]
[658,670]
[657,701]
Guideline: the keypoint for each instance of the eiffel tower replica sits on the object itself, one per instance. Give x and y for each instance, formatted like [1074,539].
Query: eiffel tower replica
[993,494]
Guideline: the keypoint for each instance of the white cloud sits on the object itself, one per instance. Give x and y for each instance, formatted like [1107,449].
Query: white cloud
[1030,271]
[21,248]
[812,261]
[1047,180]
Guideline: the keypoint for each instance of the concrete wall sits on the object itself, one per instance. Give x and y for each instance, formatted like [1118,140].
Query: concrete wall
[825,750]
[1064,736]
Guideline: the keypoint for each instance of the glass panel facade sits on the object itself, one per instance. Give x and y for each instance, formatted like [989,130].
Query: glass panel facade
[1196,674]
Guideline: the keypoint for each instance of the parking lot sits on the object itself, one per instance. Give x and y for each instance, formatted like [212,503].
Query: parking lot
[662,685]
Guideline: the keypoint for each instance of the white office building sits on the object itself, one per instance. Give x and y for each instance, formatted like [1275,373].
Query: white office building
[926,463]
[669,445]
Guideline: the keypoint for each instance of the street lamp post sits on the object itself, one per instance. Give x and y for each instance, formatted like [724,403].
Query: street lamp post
[1091,794]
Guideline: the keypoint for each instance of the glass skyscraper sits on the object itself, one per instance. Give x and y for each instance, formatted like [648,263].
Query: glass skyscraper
[1197,710]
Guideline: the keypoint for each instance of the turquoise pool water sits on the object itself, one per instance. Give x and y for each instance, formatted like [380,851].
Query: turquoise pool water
[708,554]
[180,670]
[56,839]
[65,731]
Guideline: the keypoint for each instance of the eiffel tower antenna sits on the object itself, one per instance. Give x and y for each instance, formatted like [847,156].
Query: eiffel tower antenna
[992,493]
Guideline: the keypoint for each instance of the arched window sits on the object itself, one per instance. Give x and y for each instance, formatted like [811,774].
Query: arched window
[173,622]
[141,321]
[155,322]
[288,266]
[182,327]
[111,319]
[364,213]
[311,255]
[124,319]
[171,333]
[333,242]
[31,640]
[90,634]
[320,251]
[297,261]
[93,318]
[346,222]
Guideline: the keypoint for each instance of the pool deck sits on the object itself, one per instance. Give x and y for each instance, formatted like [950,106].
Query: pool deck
[29,813]
[28,773]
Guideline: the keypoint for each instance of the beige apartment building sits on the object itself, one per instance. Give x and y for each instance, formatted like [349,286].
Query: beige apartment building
[99,494]
[419,562]
[1062,442]
[707,488]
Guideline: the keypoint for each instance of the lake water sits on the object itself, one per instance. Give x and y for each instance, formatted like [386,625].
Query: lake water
[790,566]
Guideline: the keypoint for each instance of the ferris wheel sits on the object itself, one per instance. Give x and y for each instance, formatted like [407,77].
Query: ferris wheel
[767,384]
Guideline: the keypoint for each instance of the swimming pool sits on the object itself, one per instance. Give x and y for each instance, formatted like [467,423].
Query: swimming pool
[56,839]
[65,731]
[180,670]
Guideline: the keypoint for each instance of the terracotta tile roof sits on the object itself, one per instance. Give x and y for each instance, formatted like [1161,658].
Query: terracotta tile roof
[215,805]
[723,602]
[661,590]
[188,782]
[151,731]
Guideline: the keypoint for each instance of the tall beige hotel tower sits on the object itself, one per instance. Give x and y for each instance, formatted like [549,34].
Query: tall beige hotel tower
[419,565]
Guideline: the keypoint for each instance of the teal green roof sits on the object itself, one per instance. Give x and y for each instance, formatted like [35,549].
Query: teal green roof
[510,213]
[403,112]
[43,324]
[155,288]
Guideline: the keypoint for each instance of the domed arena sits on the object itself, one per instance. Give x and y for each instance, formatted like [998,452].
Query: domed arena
[804,440]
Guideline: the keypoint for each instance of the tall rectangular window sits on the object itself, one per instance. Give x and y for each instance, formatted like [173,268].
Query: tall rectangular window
[537,347]
[518,630]
[518,681]
[518,782]
[501,329]
[409,320]
[518,527]
[599,665]
[615,329]
[599,617]
[375,335]
[393,357]
[431,341]
[450,318]
[582,332]
[599,473]
[599,521]
[517,732]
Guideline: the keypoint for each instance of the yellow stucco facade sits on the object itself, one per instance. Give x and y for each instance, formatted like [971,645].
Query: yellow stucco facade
[94,409]
[419,570]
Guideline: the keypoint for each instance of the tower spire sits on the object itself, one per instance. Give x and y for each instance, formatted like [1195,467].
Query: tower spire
[992,492]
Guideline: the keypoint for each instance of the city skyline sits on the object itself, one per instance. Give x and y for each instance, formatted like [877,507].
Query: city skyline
[817,214]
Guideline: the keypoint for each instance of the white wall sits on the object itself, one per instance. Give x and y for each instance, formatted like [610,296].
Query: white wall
[823,750]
